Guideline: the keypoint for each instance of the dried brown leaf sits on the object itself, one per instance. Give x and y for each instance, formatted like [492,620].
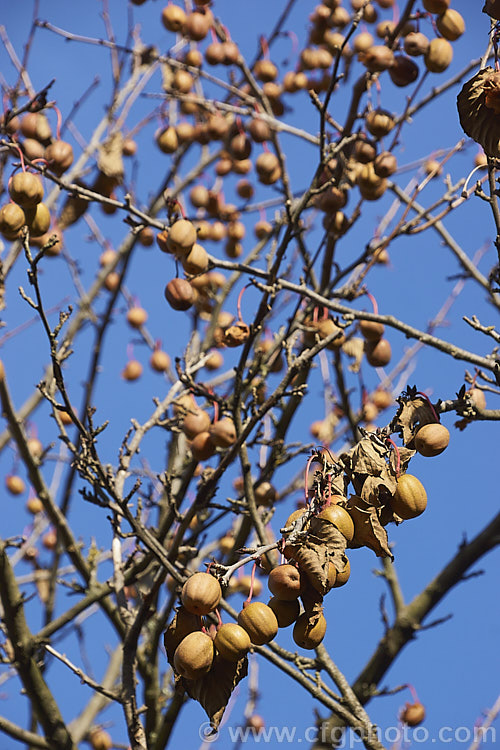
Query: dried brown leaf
[214,689]
[412,414]
[368,529]
[354,348]
[110,157]
[324,544]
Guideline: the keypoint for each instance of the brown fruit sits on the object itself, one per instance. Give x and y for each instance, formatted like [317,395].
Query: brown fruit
[343,576]
[232,642]
[167,140]
[136,316]
[146,237]
[201,593]
[34,505]
[371,330]
[223,433]
[196,261]
[404,71]
[159,361]
[340,518]
[285,582]
[35,125]
[416,44]
[413,714]
[26,189]
[194,655]
[379,122]
[35,447]
[432,439]
[306,636]
[385,164]
[450,24]
[378,353]
[38,220]
[179,294]
[377,58]
[99,739]
[132,370]
[195,421]
[14,484]
[286,611]
[410,498]
[197,24]
[438,56]
[202,447]
[181,237]
[436,6]
[265,494]
[259,621]
[173,17]
[12,219]
[60,156]
[49,540]
[185,622]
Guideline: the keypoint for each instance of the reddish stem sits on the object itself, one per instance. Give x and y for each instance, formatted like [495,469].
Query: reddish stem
[252,577]
[180,208]
[295,41]
[59,121]
[265,47]
[21,156]
[374,303]
[398,457]
[219,618]
[424,395]
[262,214]
[413,693]
[238,303]
[266,147]
[130,351]
[306,480]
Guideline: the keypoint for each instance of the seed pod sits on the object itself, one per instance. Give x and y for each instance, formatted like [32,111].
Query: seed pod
[132,370]
[413,714]
[432,439]
[379,122]
[404,71]
[196,261]
[12,220]
[179,294]
[378,353]
[26,189]
[201,593]
[343,575]
[410,498]
[184,623]
[173,17]
[194,655]
[438,56]
[259,621]
[159,361]
[265,70]
[181,237]
[340,518]
[38,220]
[416,44]
[59,154]
[223,433]
[286,612]
[195,421]
[167,140]
[306,635]
[232,642]
[14,484]
[197,24]
[450,24]
[385,164]
[371,330]
[377,58]
[136,316]
[285,582]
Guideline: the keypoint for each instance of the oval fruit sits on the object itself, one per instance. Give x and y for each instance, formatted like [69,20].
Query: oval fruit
[201,593]
[184,623]
[343,575]
[306,636]
[340,518]
[194,655]
[410,498]
[286,612]
[285,582]
[232,641]
[432,439]
[259,621]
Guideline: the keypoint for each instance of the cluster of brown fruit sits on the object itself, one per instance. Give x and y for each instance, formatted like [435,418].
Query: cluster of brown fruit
[205,436]
[26,208]
[377,348]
